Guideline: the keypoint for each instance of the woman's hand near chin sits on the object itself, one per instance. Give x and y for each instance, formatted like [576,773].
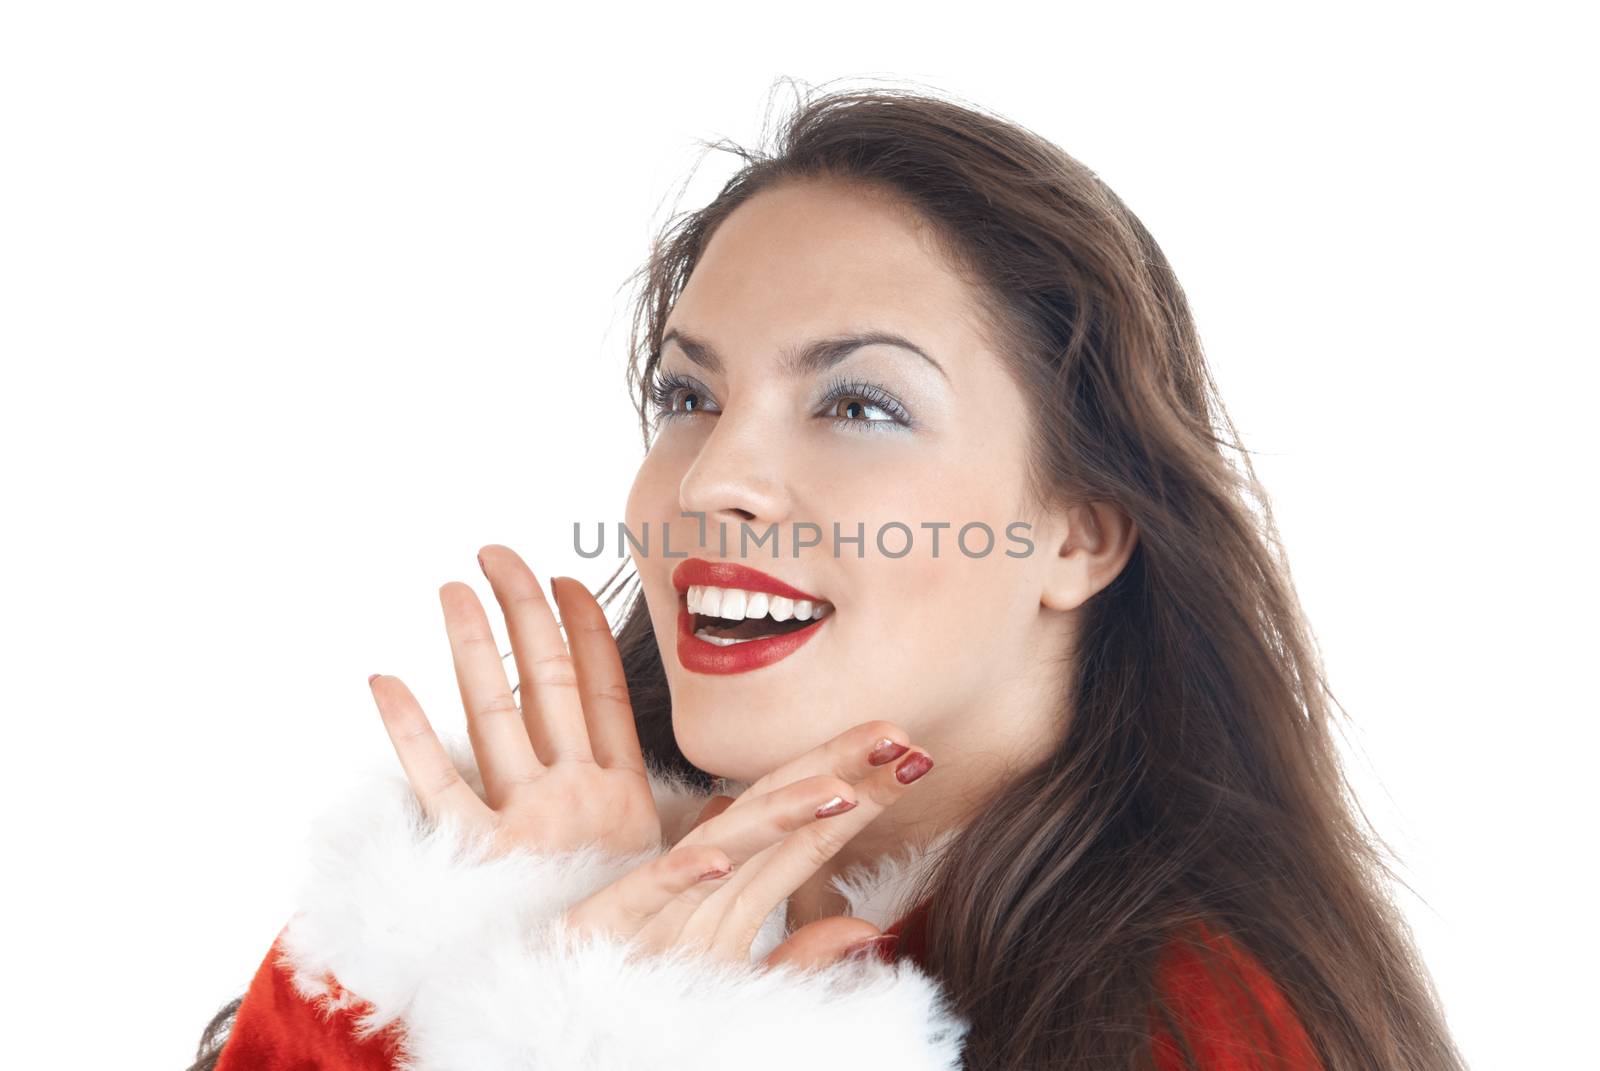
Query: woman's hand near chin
[564,770]
[711,893]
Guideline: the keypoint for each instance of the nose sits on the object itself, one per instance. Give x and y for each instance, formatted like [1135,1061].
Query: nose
[737,477]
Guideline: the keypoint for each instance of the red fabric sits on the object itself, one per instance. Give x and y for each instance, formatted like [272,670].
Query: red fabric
[276,1029]
[1217,1018]
[911,930]
[1214,1017]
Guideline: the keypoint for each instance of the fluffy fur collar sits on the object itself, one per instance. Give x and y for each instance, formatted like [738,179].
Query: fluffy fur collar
[405,921]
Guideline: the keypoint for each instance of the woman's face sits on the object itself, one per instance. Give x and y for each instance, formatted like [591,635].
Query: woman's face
[953,646]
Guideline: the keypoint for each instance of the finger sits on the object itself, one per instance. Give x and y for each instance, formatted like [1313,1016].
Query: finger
[551,706]
[684,923]
[741,832]
[717,805]
[602,686]
[820,943]
[749,836]
[852,755]
[623,907]
[428,767]
[494,724]
[752,892]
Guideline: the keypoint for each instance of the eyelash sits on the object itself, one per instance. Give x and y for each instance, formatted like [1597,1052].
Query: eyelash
[666,385]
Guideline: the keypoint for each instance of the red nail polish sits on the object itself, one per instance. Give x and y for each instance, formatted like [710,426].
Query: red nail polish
[886,750]
[912,768]
[837,805]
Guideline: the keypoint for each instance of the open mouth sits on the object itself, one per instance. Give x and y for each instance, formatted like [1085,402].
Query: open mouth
[729,616]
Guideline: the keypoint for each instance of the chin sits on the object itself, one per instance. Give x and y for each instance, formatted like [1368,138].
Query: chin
[736,742]
[710,748]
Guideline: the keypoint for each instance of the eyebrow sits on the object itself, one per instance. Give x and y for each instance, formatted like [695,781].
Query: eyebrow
[818,355]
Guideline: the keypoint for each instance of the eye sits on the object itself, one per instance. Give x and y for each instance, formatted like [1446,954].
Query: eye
[669,389]
[863,407]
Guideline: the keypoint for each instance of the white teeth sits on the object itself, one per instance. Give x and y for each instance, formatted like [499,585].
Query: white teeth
[736,603]
[720,641]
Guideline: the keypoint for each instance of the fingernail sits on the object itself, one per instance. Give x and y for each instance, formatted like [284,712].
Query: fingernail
[552,583]
[374,677]
[482,566]
[879,947]
[913,768]
[886,750]
[718,872]
[837,805]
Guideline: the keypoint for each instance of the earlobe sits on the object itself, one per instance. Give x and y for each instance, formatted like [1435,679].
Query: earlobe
[1092,544]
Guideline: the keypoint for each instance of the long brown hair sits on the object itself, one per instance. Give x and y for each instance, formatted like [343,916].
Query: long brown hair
[1199,780]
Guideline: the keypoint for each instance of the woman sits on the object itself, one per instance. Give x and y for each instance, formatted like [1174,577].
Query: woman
[1062,797]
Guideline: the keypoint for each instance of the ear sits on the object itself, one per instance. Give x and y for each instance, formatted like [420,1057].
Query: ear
[1090,543]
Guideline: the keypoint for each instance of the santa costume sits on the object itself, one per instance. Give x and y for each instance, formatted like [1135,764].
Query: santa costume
[410,951]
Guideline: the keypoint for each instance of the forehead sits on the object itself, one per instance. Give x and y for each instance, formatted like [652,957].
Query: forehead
[813,258]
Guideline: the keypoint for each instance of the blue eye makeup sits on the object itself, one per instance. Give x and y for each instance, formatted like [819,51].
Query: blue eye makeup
[673,395]
[875,397]
[664,390]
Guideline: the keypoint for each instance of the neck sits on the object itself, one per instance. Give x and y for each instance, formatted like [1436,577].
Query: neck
[903,834]
[974,754]
[815,899]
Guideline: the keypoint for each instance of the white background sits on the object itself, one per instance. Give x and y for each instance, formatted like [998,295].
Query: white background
[301,303]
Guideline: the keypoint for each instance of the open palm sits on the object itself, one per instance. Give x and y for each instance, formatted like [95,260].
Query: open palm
[564,769]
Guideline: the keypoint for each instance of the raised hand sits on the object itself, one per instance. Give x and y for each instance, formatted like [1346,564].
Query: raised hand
[712,891]
[562,771]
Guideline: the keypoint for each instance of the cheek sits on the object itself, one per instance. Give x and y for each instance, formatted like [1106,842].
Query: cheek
[652,504]
[649,484]
[933,638]
[651,509]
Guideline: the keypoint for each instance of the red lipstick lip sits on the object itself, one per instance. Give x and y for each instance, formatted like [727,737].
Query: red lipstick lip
[698,656]
[700,572]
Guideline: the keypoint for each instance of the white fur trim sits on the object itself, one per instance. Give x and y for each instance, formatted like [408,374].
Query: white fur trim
[884,892]
[470,956]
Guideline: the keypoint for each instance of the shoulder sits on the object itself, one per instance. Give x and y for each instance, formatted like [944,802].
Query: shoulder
[1226,1009]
